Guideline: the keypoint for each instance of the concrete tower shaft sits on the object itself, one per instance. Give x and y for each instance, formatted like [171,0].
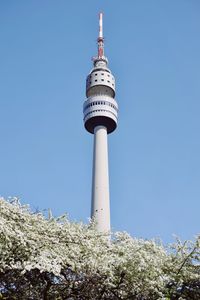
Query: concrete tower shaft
[100,111]
[100,208]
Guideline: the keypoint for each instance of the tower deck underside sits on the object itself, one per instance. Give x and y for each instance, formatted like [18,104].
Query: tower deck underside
[100,110]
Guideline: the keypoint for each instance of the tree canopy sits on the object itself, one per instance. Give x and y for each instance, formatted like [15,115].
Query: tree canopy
[53,258]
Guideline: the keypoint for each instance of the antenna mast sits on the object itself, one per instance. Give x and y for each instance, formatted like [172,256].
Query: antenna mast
[100,39]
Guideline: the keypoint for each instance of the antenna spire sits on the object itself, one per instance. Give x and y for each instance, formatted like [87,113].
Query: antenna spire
[101,25]
[100,39]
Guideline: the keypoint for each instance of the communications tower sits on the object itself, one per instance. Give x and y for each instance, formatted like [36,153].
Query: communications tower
[100,118]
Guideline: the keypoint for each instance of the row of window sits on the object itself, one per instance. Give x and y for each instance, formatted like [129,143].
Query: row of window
[102,80]
[98,110]
[101,103]
[96,80]
[102,74]
[102,70]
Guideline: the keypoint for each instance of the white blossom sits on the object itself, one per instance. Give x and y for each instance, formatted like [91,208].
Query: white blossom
[84,260]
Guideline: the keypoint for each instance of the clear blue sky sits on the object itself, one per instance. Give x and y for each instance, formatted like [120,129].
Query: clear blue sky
[46,155]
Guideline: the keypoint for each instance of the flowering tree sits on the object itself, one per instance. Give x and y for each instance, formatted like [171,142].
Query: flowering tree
[52,258]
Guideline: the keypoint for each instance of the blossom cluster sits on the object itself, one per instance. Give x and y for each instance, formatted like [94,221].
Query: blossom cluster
[53,258]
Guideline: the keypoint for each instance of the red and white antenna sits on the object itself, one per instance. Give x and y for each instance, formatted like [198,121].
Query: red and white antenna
[100,39]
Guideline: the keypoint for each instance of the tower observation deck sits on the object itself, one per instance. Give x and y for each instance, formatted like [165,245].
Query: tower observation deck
[100,112]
